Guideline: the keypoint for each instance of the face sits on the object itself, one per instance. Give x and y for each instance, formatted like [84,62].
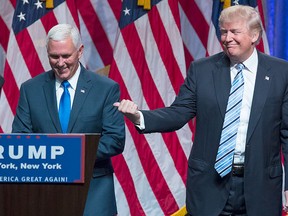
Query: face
[237,40]
[64,58]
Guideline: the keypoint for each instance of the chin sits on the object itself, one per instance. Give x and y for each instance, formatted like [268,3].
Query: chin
[64,75]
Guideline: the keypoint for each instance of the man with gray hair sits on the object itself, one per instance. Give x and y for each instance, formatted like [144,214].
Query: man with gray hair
[71,99]
[240,100]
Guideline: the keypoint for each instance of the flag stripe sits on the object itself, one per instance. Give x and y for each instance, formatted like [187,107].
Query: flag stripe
[191,38]
[13,2]
[10,94]
[29,53]
[90,50]
[4,34]
[48,21]
[64,15]
[6,13]
[200,25]
[7,115]
[96,31]
[128,186]
[164,46]
[115,6]
[260,9]
[105,14]
[71,10]
[137,54]
[36,33]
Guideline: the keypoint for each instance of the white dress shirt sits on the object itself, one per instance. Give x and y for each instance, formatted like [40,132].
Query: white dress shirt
[249,73]
[73,84]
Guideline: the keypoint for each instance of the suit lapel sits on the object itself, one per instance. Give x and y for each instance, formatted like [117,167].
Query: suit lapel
[50,96]
[222,82]
[82,90]
[262,85]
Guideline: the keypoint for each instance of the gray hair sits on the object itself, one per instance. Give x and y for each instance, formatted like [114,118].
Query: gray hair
[63,31]
[246,13]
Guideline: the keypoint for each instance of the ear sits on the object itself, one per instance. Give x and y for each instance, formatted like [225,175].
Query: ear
[255,36]
[80,51]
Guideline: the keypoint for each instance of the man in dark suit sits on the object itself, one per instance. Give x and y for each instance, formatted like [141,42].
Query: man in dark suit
[92,111]
[252,183]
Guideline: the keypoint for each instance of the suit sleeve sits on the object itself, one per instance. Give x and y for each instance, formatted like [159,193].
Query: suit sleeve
[112,138]
[22,121]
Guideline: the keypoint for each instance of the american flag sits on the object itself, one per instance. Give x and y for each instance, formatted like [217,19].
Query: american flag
[152,50]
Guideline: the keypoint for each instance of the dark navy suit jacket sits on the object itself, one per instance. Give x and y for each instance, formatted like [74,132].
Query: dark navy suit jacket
[204,95]
[92,112]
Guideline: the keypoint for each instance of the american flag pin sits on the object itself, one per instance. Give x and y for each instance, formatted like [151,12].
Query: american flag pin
[82,91]
[267,78]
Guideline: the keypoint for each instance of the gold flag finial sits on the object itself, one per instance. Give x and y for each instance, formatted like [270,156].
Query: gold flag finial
[227,3]
[145,3]
[49,3]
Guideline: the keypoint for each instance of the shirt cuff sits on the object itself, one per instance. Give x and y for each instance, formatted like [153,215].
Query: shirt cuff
[141,126]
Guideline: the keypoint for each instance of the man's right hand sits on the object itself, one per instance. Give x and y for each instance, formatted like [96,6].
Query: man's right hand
[129,109]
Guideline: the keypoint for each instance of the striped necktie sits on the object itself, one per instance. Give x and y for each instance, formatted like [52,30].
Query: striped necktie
[65,106]
[227,144]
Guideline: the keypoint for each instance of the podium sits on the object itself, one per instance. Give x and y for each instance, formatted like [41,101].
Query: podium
[50,199]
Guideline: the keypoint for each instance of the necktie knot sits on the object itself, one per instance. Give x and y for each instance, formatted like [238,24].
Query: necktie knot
[239,67]
[65,84]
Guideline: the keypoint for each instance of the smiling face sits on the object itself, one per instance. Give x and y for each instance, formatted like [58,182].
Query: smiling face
[238,41]
[64,57]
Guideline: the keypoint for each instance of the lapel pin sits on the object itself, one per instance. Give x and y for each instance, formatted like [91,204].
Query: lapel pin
[82,91]
[267,78]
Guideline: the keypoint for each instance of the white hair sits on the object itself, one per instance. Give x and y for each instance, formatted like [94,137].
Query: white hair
[63,31]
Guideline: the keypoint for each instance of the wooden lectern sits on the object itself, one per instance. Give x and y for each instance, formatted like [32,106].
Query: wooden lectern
[49,199]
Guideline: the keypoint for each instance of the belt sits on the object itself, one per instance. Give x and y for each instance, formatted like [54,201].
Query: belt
[238,170]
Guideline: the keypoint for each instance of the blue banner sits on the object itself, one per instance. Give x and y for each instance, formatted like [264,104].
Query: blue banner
[42,158]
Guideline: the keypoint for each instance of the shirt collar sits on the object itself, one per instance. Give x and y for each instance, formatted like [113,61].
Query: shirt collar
[73,80]
[252,62]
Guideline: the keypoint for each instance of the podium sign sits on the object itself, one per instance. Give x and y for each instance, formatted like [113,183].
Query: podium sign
[39,158]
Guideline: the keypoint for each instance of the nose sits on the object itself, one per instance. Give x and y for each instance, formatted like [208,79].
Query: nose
[228,36]
[61,61]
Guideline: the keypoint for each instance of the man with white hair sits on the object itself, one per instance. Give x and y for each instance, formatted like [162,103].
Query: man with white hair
[71,99]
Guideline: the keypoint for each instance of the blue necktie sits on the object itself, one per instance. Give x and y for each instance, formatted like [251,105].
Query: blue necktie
[65,106]
[227,144]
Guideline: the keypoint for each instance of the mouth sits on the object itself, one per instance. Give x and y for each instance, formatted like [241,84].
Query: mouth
[61,70]
[228,46]
[231,48]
